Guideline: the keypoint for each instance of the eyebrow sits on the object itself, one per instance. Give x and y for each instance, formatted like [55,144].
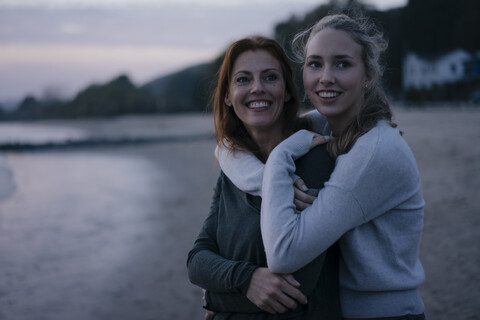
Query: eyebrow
[338,56]
[263,71]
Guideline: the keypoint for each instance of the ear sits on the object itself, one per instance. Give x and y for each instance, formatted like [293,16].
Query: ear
[227,100]
[366,82]
[288,96]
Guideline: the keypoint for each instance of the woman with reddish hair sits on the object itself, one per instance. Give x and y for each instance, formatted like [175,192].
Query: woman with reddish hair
[255,108]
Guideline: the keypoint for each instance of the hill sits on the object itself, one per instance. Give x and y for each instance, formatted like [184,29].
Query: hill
[421,26]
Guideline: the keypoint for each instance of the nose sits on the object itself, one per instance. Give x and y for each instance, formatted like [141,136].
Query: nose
[327,76]
[257,86]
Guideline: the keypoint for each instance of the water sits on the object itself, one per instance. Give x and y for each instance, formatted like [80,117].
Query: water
[103,232]
[7,185]
[37,133]
[66,233]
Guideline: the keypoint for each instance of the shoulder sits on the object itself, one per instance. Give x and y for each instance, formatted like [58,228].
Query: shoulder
[390,152]
[382,140]
[387,143]
[381,152]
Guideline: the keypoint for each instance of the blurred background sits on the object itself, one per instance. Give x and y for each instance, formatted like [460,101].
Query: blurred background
[63,59]
[106,144]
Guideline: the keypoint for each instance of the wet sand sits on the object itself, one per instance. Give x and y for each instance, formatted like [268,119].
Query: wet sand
[123,256]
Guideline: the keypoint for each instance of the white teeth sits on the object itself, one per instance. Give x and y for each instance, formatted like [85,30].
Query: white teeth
[328,94]
[258,104]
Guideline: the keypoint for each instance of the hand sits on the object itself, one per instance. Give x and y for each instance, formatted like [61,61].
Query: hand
[209,314]
[318,139]
[302,199]
[274,293]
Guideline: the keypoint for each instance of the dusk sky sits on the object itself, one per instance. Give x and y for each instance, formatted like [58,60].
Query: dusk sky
[59,46]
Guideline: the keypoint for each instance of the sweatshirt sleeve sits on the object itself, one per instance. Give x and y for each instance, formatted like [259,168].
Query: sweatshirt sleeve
[375,176]
[207,268]
[284,231]
[242,168]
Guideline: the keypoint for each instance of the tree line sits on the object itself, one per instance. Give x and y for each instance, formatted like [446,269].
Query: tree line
[424,26]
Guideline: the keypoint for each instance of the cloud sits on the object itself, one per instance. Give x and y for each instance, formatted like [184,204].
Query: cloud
[73,42]
[33,67]
[124,3]
[52,4]
[72,29]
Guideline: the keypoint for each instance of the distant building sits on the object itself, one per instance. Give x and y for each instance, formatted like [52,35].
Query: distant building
[423,72]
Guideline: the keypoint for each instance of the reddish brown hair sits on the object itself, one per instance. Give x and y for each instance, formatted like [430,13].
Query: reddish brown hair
[229,129]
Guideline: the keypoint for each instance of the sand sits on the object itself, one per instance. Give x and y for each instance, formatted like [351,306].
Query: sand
[446,144]
[152,282]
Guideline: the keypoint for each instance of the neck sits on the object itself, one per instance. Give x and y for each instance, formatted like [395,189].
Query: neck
[339,123]
[267,140]
[337,126]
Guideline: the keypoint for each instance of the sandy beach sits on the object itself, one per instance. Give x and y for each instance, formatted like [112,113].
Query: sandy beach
[103,233]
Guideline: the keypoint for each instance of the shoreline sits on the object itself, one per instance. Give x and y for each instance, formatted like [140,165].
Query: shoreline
[99,143]
[174,181]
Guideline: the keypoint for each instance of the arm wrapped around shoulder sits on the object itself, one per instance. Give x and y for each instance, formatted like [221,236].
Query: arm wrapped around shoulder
[314,168]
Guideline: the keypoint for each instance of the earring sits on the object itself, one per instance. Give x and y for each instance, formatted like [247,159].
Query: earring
[365,85]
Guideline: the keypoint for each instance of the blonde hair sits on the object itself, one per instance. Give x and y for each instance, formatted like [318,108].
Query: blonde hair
[375,106]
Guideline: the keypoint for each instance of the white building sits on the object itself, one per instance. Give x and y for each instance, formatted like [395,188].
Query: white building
[424,72]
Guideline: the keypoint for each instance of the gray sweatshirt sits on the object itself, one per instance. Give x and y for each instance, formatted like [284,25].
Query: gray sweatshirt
[372,202]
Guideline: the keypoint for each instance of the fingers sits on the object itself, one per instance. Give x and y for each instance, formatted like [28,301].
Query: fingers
[300,184]
[302,200]
[203,298]
[318,140]
[293,291]
[300,206]
[278,305]
[274,293]
[209,315]
[277,301]
[291,280]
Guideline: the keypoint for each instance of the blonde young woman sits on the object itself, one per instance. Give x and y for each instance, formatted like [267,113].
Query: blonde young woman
[373,201]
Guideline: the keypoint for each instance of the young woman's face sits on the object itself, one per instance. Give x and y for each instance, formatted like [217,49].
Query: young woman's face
[334,75]
[257,90]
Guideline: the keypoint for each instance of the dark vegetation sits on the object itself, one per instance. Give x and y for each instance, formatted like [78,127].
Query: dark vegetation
[425,26]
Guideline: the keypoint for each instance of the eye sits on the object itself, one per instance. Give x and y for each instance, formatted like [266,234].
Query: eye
[242,80]
[314,64]
[343,64]
[271,77]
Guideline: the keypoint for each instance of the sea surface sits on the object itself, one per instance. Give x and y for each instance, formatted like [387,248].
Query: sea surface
[83,229]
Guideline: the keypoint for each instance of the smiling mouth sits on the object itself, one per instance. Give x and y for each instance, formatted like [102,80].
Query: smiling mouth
[328,94]
[258,104]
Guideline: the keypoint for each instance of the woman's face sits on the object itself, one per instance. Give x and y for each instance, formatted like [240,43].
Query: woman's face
[257,90]
[334,75]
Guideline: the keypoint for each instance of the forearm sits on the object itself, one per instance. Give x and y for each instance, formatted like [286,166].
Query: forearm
[212,272]
[292,240]
[207,268]
[230,302]
[308,277]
